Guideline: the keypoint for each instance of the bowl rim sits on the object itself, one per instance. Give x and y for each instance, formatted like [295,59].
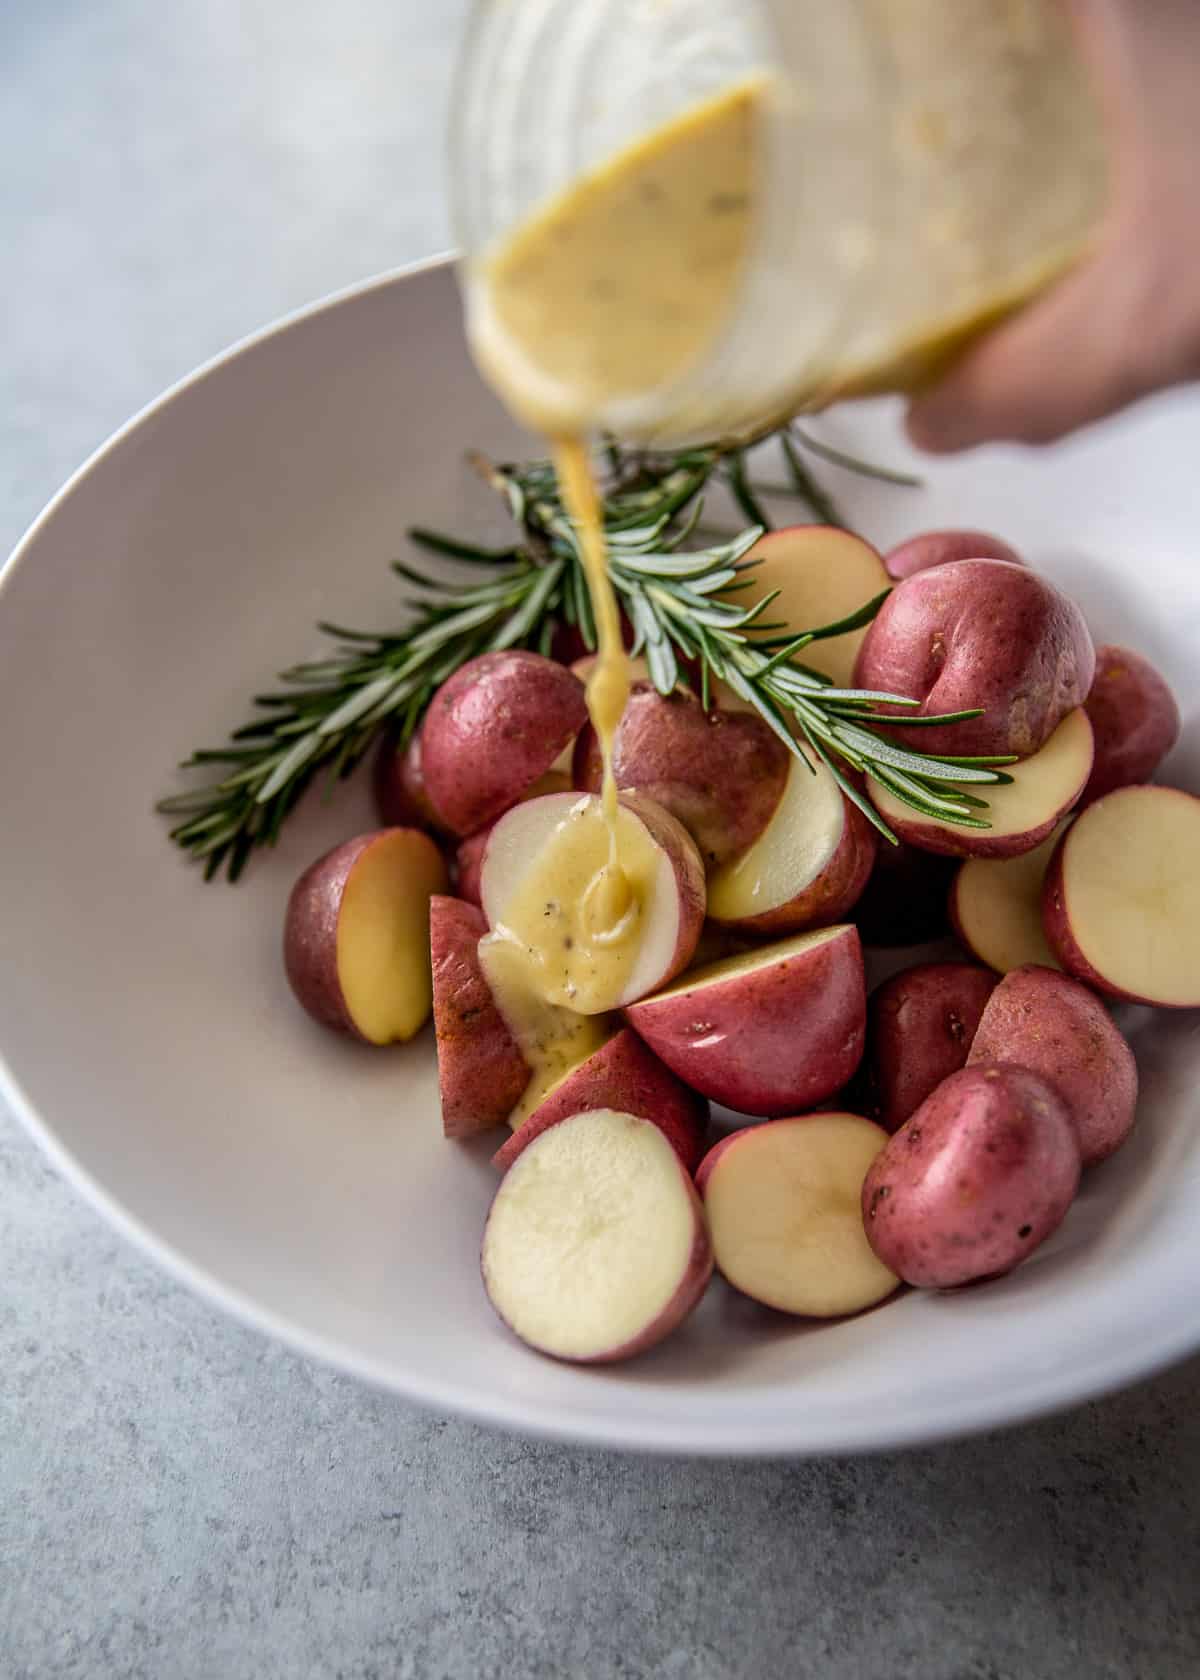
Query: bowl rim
[782,1435]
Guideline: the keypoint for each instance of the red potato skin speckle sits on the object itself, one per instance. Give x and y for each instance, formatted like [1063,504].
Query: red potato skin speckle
[492,730]
[981,633]
[983,1172]
[940,548]
[1135,721]
[720,773]
[1056,1027]
[920,1027]
[481,1071]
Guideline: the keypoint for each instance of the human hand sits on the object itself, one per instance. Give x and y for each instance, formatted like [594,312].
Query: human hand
[1126,321]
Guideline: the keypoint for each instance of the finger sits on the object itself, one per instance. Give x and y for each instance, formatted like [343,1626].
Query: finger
[1059,364]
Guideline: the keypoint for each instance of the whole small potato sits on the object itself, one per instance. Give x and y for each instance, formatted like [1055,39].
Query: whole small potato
[1052,1025]
[939,548]
[981,1174]
[1135,721]
[920,1028]
[721,774]
[980,633]
[492,730]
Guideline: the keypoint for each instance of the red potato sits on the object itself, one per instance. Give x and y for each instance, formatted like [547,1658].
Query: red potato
[492,730]
[674,913]
[1055,1027]
[983,1172]
[1121,899]
[996,907]
[1134,719]
[398,784]
[482,1074]
[980,633]
[822,574]
[920,1027]
[808,867]
[782,1203]
[771,1031]
[905,898]
[1020,814]
[720,773]
[468,859]
[596,1245]
[941,548]
[356,934]
[623,1074]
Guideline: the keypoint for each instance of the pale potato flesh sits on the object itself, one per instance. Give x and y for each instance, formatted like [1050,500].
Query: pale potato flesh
[797,844]
[1043,785]
[822,575]
[1131,887]
[383,936]
[591,1236]
[784,1206]
[998,908]
[745,962]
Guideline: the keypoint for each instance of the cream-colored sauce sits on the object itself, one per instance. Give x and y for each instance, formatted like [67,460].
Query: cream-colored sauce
[665,225]
[561,960]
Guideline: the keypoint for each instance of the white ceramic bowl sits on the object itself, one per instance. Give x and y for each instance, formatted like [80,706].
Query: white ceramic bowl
[150,1042]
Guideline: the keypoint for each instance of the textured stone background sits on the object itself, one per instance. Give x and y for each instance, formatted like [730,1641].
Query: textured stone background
[179,1497]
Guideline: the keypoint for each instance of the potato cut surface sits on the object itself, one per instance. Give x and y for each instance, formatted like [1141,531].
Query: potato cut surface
[1131,892]
[383,935]
[796,845]
[784,1208]
[592,1235]
[998,908]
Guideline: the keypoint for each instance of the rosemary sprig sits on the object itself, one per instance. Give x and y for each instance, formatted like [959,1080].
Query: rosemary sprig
[698,605]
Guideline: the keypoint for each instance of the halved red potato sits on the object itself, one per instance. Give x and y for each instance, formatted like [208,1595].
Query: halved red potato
[673,910]
[1121,900]
[1021,813]
[596,1245]
[823,574]
[356,934]
[920,1027]
[1056,1027]
[623,1074]
[468,858]
[939,548]
[720,773]
[981,1174]
[482,1074]
[980,633]
[783,1206]
[1134,719]
[771,1031]
[996,907]
[809,865]
[492,730]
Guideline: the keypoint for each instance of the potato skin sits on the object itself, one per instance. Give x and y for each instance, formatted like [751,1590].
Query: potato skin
[920,1027]
[481,1071]
[940,548]
[720,773]
[627,1076]
[398,784]
[1050,1024]
[760,1044]
[310,935]
[468,865]
[981,1174]
[983,633]
[492,729]
[1135,721]
[831,895]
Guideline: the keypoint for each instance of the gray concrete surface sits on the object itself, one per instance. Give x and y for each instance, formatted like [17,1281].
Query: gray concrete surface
[181,1498]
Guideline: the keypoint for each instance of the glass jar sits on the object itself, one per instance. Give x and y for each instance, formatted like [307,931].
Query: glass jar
[894,175]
